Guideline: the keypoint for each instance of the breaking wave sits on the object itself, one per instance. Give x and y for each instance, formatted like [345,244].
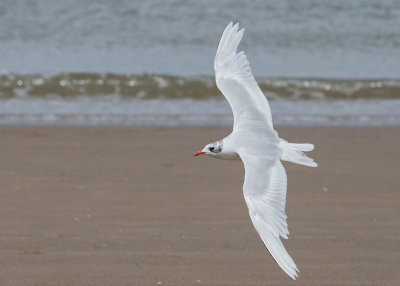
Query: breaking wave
[150,86]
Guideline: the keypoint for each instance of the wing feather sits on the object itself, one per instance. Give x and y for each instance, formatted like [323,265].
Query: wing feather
[265,195]
[235,80]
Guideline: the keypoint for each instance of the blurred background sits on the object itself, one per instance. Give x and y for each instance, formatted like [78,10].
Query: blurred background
[151,62]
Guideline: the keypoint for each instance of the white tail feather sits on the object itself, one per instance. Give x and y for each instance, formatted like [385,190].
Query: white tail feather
[293,152]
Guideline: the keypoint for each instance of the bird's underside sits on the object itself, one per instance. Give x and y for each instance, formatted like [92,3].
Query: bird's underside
[258,145]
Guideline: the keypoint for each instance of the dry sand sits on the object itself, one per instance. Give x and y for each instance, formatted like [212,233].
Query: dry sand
[131,206]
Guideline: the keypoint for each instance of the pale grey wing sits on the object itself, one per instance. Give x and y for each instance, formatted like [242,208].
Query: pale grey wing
[265,194]
[235,80]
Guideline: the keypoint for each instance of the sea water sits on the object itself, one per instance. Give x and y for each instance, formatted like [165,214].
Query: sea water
[151,62]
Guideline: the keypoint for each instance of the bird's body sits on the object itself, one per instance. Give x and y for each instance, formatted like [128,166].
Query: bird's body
[255,142]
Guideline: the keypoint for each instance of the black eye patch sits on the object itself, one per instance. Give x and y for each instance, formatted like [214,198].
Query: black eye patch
[215,147]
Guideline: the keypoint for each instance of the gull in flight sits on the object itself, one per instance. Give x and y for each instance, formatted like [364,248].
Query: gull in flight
[255,142]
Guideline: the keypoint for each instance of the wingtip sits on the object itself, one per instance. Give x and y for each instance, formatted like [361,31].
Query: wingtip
[295,274]
[230,26]
[236,27]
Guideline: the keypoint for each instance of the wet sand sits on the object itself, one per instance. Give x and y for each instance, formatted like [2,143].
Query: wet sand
[131,206]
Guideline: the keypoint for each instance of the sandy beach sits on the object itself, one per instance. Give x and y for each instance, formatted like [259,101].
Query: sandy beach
[131,206]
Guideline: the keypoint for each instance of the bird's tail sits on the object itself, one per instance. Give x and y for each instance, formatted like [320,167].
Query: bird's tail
[293,152]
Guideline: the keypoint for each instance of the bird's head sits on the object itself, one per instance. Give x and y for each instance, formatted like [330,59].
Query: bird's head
[212,149]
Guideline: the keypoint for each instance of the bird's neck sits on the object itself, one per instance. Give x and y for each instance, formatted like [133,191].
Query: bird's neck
[228,150]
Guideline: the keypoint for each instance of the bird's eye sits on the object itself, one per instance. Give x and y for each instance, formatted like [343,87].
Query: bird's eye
[211,149]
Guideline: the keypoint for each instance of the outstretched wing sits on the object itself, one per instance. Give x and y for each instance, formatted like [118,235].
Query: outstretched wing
[235,80]
[265,194]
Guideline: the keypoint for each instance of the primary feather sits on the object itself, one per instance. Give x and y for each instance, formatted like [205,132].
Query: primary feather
[235,80]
